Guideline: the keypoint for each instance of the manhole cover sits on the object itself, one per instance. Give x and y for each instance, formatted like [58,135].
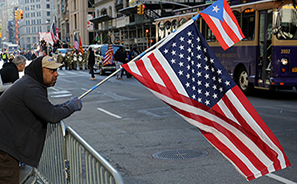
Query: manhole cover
[179,154]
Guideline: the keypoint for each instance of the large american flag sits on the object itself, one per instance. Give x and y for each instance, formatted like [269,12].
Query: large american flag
[54,32]
[185,74]
[108,58]
[222,22]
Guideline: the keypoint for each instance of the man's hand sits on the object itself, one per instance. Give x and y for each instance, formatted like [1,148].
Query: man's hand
[77,103]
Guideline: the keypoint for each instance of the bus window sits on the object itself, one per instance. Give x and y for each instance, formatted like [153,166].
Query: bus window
[237,16]
[288,23]
[174,25]
[161,30]
[248,24]
[182,21]
[167,28]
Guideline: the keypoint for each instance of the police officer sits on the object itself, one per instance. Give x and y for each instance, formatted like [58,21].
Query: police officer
[5,57]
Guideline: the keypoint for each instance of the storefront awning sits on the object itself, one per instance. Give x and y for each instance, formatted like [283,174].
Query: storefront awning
[129,10]
[101,19]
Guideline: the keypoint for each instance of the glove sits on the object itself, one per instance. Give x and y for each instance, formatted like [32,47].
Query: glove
[76,103]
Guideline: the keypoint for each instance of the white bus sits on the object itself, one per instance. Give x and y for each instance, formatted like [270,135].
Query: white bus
[10,47]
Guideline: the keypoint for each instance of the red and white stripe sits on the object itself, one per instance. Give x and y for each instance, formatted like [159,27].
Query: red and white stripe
[232,126]
[227,32]
[108,56]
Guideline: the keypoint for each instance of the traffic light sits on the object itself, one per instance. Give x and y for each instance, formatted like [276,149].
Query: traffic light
[16,14]
[140,9]
[147,32]
[21,14]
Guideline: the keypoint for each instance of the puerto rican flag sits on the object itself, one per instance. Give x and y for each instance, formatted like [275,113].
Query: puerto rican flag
[223,23]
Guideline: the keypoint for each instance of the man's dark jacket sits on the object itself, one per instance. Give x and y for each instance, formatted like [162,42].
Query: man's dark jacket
[24,113]
[91,58]
[9,73]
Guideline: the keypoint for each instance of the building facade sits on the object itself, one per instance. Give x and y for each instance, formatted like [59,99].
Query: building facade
[71,18]
[124,23]
[37,17]
[7,21]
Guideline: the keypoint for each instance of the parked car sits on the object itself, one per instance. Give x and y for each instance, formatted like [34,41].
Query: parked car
[100,50]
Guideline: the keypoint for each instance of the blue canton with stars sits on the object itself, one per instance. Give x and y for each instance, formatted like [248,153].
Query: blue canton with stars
[200,72]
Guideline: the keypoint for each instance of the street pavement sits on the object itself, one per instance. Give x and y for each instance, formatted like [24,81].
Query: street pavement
[142,126]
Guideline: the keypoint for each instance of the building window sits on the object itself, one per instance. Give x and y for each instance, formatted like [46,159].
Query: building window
[48,6]
[32,7]
[48,13]
[75,25]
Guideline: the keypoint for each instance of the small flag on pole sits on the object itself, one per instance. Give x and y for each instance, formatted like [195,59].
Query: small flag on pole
[97,38]
[75,43]
[108,58]
[185,74]
[80,46]
[222,22]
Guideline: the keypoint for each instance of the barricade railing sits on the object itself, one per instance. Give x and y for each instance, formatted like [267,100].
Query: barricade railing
[69,159]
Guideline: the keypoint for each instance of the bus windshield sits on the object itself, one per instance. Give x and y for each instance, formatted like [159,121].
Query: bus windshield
[287,21]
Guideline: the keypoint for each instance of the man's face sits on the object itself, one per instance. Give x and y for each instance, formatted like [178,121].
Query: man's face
[21,66]
[49,76]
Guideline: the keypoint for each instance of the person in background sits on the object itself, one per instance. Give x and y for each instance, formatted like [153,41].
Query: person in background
[34,56]
[11,57]
[67,60]
[85,59]
[120,58]
[132,55]
[60,59]
[10,71]
[43,44]
[25,112]
[91,63]
[5,57]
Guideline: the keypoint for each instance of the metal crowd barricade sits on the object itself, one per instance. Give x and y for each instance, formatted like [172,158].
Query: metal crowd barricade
[69,159]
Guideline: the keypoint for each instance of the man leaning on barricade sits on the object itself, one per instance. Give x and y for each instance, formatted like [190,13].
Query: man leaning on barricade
[25,112]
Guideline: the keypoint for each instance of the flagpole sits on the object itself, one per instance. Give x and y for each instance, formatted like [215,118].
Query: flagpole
[134,59]
[111,75]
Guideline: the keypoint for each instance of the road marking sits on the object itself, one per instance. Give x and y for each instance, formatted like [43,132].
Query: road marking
[60,92]
[109,113]
[60,96]
[281,179]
